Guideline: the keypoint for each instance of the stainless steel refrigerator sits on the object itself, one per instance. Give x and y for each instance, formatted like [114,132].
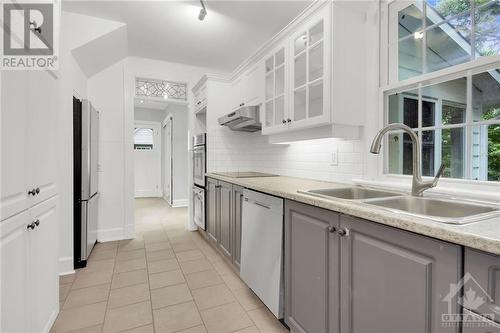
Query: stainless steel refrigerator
[85,166]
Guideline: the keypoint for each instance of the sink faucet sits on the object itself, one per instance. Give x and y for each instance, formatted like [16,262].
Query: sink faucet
[418,185]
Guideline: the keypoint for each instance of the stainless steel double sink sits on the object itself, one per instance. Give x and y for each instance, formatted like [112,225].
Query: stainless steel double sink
[445,210]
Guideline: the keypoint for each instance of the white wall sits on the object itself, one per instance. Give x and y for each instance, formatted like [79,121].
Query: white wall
[106,91]
[146,114]
[112,92]
[72,82]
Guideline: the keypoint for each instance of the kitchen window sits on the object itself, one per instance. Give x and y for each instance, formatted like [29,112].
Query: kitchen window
[143,138]
[443,81]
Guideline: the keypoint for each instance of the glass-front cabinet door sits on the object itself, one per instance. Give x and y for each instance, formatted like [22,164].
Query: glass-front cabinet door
[310,73]
[275,113]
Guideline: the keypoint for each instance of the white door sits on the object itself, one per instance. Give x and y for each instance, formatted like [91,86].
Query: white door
[147,159]
[44,265]
[14,280]
[169,161]
[14,143]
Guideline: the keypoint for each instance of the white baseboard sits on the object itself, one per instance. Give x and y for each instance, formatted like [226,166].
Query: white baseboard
[108,235]
[180,203]
[52,320]
[66,266]
[147,194]
[129,231]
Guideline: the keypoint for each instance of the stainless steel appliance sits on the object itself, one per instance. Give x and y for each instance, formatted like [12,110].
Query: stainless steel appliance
[199,159]
[85,165]
[246,119]
[262,248]
[199,206]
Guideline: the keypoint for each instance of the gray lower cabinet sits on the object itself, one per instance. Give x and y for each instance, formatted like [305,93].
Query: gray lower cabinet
[225,227]
[482,282]
[311,263]
[348,275]
[223,212]
[394,281]
[212,210]
[474,323]
[236,222]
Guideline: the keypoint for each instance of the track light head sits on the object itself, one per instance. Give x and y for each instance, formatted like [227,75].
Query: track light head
[203,11]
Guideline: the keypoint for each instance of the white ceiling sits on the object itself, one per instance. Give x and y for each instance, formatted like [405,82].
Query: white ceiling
[171,31]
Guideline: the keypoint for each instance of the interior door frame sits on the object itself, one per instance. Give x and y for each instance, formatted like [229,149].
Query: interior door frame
[158,144]
[169,121]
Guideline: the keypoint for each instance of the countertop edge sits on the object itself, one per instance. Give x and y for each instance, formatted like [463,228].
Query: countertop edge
[425,227]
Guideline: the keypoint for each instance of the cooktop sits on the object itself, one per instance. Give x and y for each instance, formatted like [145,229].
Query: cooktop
[245,174]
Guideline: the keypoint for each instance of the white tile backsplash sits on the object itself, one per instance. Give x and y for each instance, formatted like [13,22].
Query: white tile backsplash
[239,151]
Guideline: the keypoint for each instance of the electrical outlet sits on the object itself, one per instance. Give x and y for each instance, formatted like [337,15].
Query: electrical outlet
[335,158]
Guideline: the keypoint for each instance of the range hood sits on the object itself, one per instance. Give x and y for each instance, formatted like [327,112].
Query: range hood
[245,119]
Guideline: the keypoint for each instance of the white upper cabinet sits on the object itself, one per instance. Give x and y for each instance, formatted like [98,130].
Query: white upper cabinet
[246,89]
[275,107]
[297,78]
[200,99]
[42,140]
[29,151]
[14,131]
[310,72]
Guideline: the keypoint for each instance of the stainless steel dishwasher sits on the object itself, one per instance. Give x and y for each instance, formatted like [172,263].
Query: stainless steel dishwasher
[262,248]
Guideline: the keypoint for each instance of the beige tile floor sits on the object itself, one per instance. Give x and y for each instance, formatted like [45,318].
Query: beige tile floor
[167,279]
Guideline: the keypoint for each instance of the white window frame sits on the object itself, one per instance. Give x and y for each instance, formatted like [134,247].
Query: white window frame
[390,86]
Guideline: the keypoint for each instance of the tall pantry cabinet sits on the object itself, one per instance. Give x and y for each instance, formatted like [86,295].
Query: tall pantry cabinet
[29,281]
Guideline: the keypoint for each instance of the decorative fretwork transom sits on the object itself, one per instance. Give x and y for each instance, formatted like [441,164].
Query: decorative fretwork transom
[160,89]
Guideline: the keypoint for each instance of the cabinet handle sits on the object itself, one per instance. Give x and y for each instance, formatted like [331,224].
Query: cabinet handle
[37,222]
[332,229]
[289,120]
[343,232]
[34,191]
[31,226]
[284,121]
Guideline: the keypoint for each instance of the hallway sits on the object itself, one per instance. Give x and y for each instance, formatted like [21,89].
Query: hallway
[166,280]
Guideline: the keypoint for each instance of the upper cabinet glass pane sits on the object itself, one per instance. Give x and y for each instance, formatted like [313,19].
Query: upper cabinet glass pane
[299,104]
[486,96]
[487,29]
[300,43]
[269,86]
[280,81]
[316,62]
[269,64]
[300,70]
[280,57]
[316,99]
[269,114]
[316,33]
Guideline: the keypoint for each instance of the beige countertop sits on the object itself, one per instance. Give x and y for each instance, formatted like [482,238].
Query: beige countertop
[482,235]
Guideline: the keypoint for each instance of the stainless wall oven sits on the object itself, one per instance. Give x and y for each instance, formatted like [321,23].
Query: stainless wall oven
[199,170]
[199,159]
